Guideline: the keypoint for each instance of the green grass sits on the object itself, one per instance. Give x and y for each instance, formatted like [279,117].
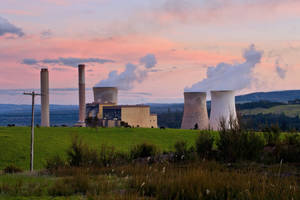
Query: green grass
[15,142]
[289,110]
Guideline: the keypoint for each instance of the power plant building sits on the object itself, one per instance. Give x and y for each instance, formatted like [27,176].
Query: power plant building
[105,107]
[222,108]
[195,111]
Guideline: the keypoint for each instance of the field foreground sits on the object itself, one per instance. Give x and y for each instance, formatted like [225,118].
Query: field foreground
[15,141]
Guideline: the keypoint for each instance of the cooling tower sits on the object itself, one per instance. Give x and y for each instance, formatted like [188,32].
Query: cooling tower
[106,95]
[44,98]
[82,108]
[195,111]
[222,108]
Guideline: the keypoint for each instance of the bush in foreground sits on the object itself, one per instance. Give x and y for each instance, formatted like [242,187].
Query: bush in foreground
[204,144]
[236,144]
[11,169]
[143,150]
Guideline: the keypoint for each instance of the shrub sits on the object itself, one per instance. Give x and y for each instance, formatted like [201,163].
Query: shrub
[204,144]
[238,144]
[181,151]
[272,134]
[143,150]
[289,149]
[109,156]
[80,154]
[55,163]
[78,184]
[76,151]
[253,146]
[11,169]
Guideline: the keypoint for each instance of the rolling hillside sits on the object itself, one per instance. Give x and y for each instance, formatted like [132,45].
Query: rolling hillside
[288,110]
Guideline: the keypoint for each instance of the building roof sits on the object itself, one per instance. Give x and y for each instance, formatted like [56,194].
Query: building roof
[126,106]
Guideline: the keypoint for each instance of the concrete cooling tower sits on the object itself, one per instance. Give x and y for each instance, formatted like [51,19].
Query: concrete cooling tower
[106,95]
[222,108]
[195,111]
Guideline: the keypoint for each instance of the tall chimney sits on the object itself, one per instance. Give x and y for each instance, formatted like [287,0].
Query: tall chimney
[45,98]
[82,108]
[195,111]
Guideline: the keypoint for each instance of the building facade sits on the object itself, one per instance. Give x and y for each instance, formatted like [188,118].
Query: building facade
[110,115]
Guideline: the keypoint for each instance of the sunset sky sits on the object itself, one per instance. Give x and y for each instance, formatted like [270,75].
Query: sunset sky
[161,46]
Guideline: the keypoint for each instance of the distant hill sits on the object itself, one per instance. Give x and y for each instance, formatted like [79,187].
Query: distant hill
[275,96]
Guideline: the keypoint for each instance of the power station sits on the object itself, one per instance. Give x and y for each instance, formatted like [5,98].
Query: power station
[108,113]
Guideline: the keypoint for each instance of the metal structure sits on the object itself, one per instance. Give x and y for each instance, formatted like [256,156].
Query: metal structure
[45,122]
[222,108]
[106,95]
[82,107]
[195,111]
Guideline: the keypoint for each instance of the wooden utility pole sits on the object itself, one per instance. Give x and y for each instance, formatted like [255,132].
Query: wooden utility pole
[33,94]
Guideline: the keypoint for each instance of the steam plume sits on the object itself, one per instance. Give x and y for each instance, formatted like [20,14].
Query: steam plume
[226,76]
[132,74]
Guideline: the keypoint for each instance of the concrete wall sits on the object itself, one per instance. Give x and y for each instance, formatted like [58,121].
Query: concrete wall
[153,121]
[138,116]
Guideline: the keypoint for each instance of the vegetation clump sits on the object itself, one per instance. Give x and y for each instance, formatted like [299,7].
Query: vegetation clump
[143,150]
[12,169]
[204,144]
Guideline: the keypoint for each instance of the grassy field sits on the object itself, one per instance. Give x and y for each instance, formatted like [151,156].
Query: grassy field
[15,142]
[288,110]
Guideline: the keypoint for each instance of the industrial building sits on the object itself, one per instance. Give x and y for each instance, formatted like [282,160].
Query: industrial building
[109,114]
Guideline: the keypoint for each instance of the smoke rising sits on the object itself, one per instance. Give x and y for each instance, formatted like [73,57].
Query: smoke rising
[281,72]
[149,61]
[132,74]
[226,76]
[7,27]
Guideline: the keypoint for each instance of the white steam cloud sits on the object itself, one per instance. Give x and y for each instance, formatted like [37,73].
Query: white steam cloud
[281,72]
[149,61]
[226,76]
[132,74]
